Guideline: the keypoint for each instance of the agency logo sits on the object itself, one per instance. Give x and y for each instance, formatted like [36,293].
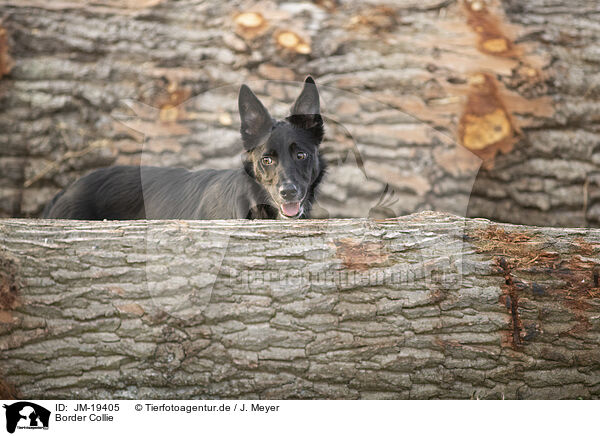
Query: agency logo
[26,415]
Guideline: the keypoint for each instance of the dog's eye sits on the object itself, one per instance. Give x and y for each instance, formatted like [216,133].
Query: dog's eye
[267,160]
[301,155]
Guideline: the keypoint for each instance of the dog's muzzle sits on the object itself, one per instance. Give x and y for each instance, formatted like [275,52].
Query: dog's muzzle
[290,207]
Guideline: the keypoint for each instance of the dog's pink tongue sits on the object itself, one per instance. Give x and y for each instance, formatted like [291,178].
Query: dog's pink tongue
[290,209]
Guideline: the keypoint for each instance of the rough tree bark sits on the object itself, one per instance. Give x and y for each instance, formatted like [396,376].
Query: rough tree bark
[425,306]
[515,77]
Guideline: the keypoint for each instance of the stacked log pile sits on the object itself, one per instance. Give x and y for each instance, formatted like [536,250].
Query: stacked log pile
[417,95]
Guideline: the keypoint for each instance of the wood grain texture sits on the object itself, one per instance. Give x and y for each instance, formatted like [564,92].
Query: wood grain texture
[425,306]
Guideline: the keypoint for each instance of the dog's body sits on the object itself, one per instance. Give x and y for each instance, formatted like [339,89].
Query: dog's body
[279,179]
[129,192]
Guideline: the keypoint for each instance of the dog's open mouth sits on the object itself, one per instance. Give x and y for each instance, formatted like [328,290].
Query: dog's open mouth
[291,210]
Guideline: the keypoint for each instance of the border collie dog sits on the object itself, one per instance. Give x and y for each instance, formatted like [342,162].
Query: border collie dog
[281,171]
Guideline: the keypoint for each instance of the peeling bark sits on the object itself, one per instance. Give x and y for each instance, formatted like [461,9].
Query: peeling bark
[425,306]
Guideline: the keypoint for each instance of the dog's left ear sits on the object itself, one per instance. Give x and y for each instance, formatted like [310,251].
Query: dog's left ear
[306,110]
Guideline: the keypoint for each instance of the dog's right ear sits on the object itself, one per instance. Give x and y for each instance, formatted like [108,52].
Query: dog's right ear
[306,110]
[307,102]
[256,121]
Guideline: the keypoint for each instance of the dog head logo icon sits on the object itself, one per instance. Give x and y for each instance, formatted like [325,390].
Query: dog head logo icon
[26,415]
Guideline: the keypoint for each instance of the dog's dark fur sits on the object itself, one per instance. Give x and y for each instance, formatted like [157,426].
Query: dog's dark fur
[282,167]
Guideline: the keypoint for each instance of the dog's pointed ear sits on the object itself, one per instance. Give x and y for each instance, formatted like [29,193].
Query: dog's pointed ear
[256,121]
[307,102]
[306,110]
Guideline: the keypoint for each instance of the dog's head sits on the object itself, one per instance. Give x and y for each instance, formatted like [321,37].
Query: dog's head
[283,156]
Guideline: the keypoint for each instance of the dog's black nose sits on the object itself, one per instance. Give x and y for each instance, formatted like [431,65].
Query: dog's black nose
[288,191]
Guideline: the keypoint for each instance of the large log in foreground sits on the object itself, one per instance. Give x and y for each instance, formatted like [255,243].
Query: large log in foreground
[425,306]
